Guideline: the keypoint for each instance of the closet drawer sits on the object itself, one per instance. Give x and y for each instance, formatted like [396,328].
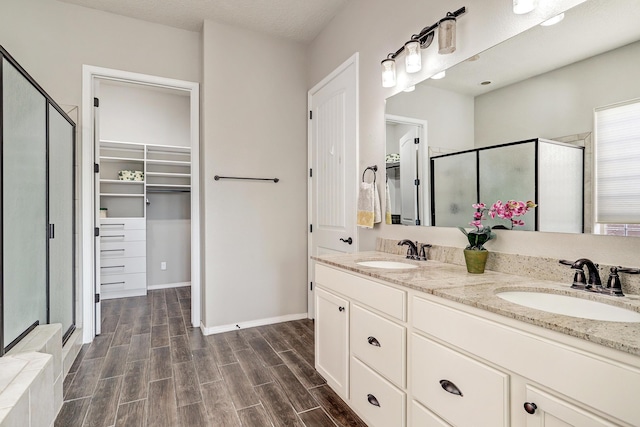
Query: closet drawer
[388,300]
[379,343]
[123,223]
[122,249]
[123,282]
[122,236]
[113,266]
[422,417]
[378,401]
[483,391]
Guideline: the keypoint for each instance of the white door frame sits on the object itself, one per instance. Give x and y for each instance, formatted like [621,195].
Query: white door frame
[87,192]
[423,173]
[353,60]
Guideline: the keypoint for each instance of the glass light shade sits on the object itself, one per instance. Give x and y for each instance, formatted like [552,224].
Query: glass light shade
[413,58]
[447,35]
[524,6]
[388,73]
[553,21]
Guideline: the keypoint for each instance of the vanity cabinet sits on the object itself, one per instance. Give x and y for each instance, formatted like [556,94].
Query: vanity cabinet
[403,357]
[372,341]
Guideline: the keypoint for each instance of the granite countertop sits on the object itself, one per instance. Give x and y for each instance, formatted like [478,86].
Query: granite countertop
[452,282]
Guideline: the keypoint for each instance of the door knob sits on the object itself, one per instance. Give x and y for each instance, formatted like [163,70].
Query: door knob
[349,240]
[530,407]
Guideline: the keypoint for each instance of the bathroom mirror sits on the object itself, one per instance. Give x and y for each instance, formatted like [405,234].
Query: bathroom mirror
[543,83]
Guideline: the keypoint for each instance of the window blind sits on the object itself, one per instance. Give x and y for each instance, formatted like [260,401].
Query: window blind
[617,163]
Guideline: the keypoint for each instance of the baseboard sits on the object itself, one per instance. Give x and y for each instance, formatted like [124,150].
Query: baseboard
[168,285]
[122,294]
[243,325]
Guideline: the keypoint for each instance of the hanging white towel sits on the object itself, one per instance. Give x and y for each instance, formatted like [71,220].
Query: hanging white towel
[377,213]
[387,205]
[366,205]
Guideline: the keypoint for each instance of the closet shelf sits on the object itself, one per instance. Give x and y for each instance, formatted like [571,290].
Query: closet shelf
[119,181]
[169,174]
[168,162]
[168,186]
[120,159]
[120,195]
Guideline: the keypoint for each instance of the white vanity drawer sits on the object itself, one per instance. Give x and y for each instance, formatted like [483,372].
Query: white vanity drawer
[388,300]
[375,399]
[111,266]
[379,343]
[123,249]
[107,236]
[458,388]
[422,417]
[123,224]
[123,282]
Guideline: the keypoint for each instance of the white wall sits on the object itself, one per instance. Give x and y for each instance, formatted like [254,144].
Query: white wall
[558,103]
[376,27]
[52,40]
[254,125]
[449,115]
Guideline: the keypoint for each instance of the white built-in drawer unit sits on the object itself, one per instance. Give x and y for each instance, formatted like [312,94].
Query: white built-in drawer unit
[462,390]
[375,399]
[123,262]
[386,299]
[422,417]
[380,343]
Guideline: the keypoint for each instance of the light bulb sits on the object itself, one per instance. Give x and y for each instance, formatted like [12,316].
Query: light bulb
[413,58]
[524,6]
[388,73]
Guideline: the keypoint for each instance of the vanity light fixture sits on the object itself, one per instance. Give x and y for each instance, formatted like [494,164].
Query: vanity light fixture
[389,72]
[520,7]
[553,21]
[413,62]
[440,75]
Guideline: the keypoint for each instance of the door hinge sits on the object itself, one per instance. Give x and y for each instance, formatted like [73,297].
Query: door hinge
[96,231]
[310,173]
[310,115]
[96,168]
[97,298]
[417,222]
[416,182]
[52,231]
[416,140]
[310,286]
[96,102]
[310,228]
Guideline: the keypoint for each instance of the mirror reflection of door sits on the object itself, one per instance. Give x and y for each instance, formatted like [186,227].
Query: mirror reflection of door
[403,170]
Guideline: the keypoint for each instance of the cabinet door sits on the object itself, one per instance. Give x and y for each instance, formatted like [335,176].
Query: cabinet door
[332,338]
[546,410]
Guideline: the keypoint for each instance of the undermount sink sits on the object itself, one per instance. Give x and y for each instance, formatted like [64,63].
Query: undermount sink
[392,265]
[570,306]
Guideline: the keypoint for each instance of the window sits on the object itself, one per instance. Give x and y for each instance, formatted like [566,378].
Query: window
[617,168]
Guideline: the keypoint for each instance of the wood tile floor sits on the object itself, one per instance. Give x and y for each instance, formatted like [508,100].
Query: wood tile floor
[148,368]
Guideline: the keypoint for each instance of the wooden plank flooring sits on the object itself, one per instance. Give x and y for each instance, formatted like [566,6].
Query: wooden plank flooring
[148,368]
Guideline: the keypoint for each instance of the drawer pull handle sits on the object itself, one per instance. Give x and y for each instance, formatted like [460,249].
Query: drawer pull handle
[110,225]
[340,309]
[111,250]
[372,400]
[530,407]
[373,341]
[113,266]
[115,235]
[450,387]
[113,283]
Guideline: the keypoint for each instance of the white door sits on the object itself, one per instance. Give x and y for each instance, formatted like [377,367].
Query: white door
[333,177]
[408,176]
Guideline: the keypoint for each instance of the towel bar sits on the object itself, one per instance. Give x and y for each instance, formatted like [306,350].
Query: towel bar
[217,178]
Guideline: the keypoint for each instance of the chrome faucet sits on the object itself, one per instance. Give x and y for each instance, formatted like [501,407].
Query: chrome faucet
[412,250]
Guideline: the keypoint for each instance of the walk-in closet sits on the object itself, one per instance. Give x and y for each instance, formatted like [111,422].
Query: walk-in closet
[144,175]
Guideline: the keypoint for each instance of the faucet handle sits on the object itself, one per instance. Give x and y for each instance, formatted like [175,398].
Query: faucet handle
[579,281]
[423,253]
[566,262]
[614,287]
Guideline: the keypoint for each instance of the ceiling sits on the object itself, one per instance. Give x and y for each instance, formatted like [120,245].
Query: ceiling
[588,29]
[298,20]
